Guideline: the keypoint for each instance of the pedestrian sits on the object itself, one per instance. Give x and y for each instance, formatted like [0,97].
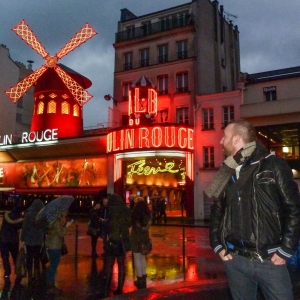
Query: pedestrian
[255,217]
[103,221]
[155,208]
[95,226]
[141,221]
[54,240]
[132,200]
[9,238]
[33,239]
[118,223]
[161,207]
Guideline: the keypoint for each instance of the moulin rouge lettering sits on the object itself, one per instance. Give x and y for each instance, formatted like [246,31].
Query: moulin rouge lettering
[150,137]
[140,168]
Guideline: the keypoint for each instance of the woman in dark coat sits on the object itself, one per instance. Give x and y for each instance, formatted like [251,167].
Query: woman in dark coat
[141,221]
[33,239]
[9,238]
[118,223]
[95,223]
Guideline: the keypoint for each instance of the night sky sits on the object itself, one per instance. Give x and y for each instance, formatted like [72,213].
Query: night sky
[269,36]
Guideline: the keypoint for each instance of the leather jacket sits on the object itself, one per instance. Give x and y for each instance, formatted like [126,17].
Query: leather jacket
[274,213]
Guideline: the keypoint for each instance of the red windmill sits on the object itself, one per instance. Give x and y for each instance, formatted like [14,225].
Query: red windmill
[59,92]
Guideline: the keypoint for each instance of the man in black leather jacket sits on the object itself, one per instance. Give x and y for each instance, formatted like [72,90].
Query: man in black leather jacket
[255,218]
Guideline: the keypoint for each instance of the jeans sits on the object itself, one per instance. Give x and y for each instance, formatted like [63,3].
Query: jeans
[13,249]
[245,275]
[54,258]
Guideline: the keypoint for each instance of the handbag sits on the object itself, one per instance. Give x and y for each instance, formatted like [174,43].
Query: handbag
[44,255]
[64,249]
[146,247]
[21,270]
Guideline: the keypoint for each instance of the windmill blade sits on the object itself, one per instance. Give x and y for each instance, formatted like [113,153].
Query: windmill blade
[80,94]
[84,34]
[18,90]
[25,33]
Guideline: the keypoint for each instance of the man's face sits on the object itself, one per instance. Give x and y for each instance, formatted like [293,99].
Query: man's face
[105,202]
[227,141]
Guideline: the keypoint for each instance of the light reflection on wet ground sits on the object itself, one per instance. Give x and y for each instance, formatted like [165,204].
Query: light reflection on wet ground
[81,278]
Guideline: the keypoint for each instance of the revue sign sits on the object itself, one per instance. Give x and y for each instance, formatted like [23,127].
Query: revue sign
[142,138]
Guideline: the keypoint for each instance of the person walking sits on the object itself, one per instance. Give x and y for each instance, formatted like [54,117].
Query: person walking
[54,240]
[33,239]
[118,223]
[95,225]
[9,238]
[141,221]
[103,221]
[255,217]
[161,207]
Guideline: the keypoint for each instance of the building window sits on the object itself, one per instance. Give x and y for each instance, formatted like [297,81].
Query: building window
[228,115]
[163,84]
[208,157]
[182,82]
[182,49]
[208,119]
[128,61]
[51,107]
[182,115]
[20,103]
[76,110]
[162,53]
[144,57]
[65,108]
[18,118]
[146,27]
[40,109]
[162,116]
[126,89]
[130,32]
[270,93]
[165,23]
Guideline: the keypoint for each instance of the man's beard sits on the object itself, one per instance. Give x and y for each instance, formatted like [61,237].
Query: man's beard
[227,149]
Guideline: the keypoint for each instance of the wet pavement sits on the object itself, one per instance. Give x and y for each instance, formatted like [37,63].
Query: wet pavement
[174,271]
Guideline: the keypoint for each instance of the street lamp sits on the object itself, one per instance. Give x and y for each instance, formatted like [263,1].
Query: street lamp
[108,97]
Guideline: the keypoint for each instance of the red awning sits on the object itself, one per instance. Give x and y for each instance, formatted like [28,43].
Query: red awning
[61,191]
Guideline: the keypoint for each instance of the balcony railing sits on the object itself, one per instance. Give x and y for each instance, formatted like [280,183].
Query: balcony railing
[162,58]
[155,28]
[207,126]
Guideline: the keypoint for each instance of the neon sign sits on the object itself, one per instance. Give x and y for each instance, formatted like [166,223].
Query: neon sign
[47,135]
[150,137]
[1,172]
[140,168]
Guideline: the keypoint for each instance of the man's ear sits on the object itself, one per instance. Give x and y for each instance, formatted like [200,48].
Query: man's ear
[236,139]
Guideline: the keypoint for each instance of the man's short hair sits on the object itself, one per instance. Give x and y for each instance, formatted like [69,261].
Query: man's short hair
[245,129]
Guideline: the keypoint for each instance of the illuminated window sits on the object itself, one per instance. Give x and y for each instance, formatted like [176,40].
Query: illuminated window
[51,107]
[128,61]
[182,115]
[65,96]
[162,84]
[162,53]
[76,110]
[41,96]
[144,57]
[182,82]
[208,157]
[228,115]
[207,119]
[270,93]
[126,88]
[52,95]
[182,49]
[162,116]
[40,109]
[65,108]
